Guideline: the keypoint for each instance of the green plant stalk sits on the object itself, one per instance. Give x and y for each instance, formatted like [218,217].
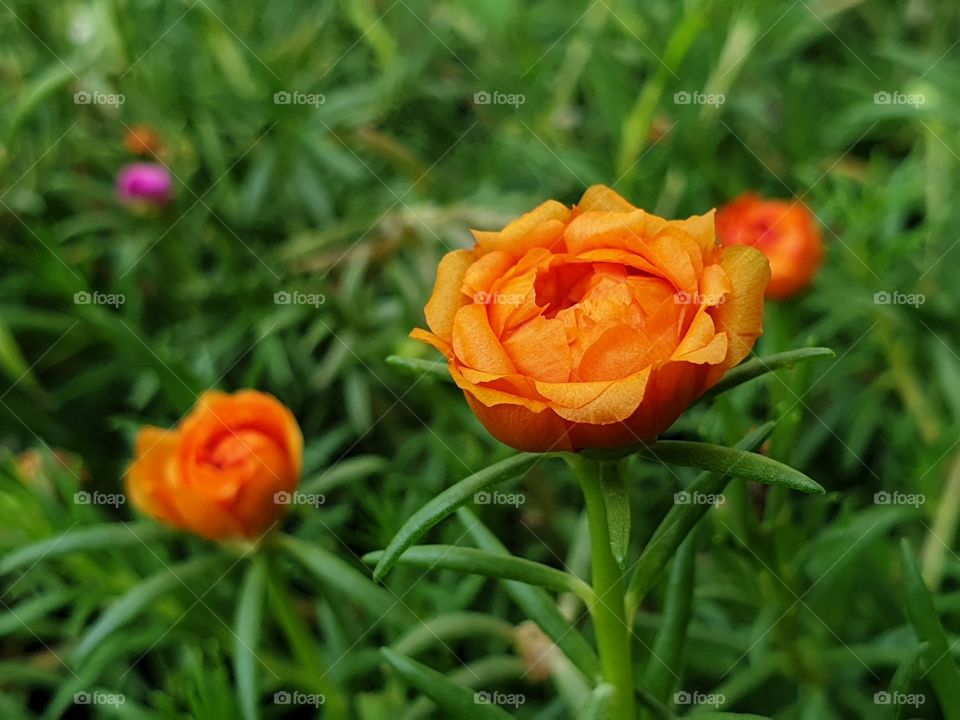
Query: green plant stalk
[614,635]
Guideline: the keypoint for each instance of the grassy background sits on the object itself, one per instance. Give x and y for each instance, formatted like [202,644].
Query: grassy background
[798,609]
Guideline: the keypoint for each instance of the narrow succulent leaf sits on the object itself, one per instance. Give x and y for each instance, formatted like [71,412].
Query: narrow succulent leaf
[419,367]
[537,604]
[490,564]
[941,666]
[138,598]
[616,500]
[86,539]
[455,700]
[597,706]
[448,501]
[666,656]
[679,521]
[247,638]
[758,367]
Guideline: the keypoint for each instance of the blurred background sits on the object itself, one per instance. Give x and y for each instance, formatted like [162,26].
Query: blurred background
[323,156]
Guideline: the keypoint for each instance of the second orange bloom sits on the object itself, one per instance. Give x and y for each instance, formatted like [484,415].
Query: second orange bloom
[786,232]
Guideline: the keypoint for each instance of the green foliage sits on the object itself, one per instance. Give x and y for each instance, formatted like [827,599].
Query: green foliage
[800,606]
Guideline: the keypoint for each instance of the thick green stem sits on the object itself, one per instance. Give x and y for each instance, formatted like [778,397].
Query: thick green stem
[614,635]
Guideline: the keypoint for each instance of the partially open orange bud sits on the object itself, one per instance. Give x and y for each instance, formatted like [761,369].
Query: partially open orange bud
[220,473]
[786,232]
[142,139]
[595,326]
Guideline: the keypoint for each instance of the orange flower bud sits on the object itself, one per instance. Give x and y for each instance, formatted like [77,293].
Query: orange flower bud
[595,326]
[142,139]
[786,232]
[218,473]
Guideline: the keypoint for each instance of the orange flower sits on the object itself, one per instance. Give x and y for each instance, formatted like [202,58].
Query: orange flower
[786,232]
[143,140]
[595,326]
[218,473]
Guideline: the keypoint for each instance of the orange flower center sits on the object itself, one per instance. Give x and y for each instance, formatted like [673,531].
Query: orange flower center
[241,447]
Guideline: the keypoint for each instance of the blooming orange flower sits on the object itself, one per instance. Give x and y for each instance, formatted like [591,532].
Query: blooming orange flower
[219,472]
[786,232]
[595,326]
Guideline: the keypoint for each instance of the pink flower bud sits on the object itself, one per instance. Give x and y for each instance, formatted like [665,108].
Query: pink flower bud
[144,183]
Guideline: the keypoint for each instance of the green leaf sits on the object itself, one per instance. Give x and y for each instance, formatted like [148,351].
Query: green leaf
[904,678]
[757,367]
[32,610]
[449,500]
[490,564]
[345,471]
[450,627]
[333,571]
[724,460]
[98,537]
[537,604]
[666,656]
[456,700]
[941,667]
[616,500]
[597,706]
[679,521]
[247,637]
[138,598]
[419,367]
[13,363]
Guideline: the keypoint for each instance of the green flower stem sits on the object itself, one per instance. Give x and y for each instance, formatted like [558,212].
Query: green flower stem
[614,635]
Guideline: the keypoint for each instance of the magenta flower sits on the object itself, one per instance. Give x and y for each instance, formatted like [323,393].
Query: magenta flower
[144,184]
